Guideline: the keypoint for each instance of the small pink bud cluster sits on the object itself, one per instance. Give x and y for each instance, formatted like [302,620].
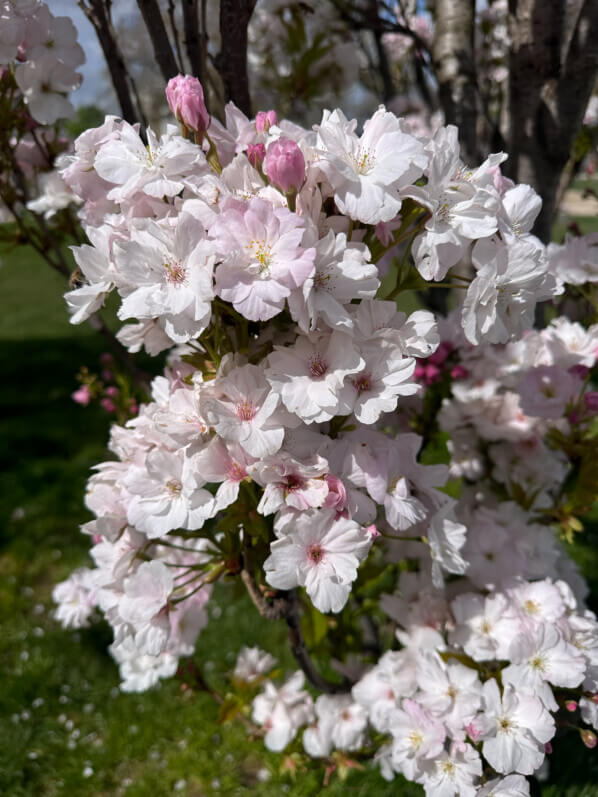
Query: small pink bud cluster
[284,165]
[264,120]
[431,369]
[184,94]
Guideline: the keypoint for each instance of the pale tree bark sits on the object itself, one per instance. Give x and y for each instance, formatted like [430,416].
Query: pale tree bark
[553,69]
[455,70]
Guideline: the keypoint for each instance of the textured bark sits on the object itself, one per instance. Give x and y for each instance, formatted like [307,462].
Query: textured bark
[232,59]
[152,17]
[553,68]
[455,70]
[98,13]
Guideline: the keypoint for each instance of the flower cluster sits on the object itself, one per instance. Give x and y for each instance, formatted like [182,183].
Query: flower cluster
[48,53]
[286,441]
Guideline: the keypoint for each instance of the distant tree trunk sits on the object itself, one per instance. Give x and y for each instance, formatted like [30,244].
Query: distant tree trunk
[455,70]
[553,68]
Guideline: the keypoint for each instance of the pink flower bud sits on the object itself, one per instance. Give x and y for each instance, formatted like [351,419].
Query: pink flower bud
[264,120]
[284,165]
[256,154]
[590,399]
[112,391]
[82,396]
[589,738]
[473,731]
[337,495]
[548,748]
[441,353]
[458,372]
[108,404]
[372,532]
[185,98]
[433,374]
[420,370]
[571,705]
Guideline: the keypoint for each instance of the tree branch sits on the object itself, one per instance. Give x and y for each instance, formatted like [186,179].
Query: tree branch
[553,68]
[285,608]
[152,17]
[98,14]
[192,42]
[232,59]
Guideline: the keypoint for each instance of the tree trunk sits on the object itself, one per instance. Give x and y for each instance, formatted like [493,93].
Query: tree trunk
[455,70]
[553,68]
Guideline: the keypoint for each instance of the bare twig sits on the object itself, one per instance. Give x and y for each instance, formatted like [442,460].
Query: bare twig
[285,607]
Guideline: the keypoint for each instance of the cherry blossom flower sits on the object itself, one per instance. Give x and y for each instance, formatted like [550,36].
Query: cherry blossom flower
[322,555]
[262,257]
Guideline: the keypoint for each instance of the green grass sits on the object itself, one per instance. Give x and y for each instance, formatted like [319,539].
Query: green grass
[65,728]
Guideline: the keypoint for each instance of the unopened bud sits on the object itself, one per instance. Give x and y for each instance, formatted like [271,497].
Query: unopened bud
[571,705]
[284,165]
[256,154]
[184,94]
[589,738]
[458,372]
[82,396]
[548,748]
[264,120]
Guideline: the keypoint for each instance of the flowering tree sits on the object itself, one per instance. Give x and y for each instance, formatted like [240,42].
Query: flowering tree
[397,488]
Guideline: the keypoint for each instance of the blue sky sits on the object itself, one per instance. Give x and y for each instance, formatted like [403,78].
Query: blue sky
[93,86]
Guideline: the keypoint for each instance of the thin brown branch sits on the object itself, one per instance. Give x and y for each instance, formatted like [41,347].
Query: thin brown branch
[271,611]
[152,17]
[285,607]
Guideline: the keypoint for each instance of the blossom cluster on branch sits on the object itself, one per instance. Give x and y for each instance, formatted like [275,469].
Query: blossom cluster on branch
[290,441]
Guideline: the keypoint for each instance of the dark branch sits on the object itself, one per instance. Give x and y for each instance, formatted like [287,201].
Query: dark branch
[175,36]
[232,59]
[192,41]
[152,17]
[285,607]
[97,12]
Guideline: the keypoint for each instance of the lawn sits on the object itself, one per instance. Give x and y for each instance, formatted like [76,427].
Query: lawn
[65,727]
